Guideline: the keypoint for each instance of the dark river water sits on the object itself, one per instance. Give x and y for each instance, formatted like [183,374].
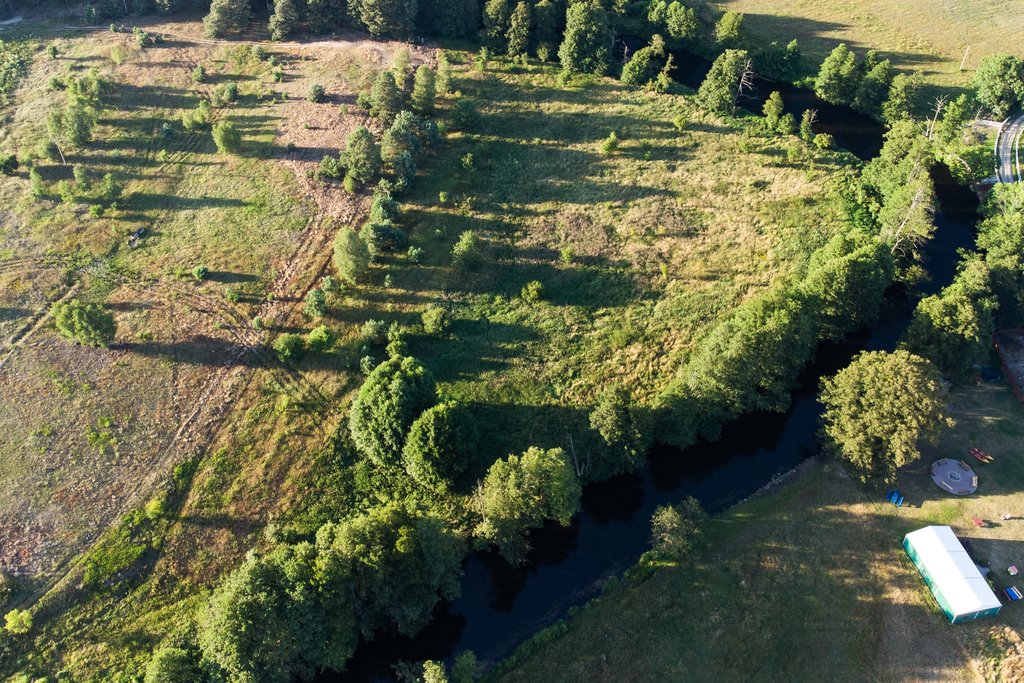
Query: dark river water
[501,606]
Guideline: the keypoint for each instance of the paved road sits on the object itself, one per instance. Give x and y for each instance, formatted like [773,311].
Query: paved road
[1008,169]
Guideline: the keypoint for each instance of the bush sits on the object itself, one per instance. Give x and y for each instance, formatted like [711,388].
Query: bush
[465,115]
[289,348]
[84,323]
[374,331]
[611,143]
[436,320]
[316,303]
[677,529]
[18,621]
[172,665]
[317,93]
[199,74]
[200,272]
[227,138]
[824,141]
[320,339]
[8,164]
[532,292]
[466,254]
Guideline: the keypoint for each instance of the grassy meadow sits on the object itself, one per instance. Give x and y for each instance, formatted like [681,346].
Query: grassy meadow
[811,582]
[927,35]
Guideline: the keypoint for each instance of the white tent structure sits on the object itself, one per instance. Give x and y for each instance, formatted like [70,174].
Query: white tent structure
[951,574]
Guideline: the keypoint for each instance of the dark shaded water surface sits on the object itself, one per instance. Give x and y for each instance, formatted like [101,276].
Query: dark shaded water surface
[501,606]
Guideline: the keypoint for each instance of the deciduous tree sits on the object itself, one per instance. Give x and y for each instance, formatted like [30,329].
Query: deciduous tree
[879,409]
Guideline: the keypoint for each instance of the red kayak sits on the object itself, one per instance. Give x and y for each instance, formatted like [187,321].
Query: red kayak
[980,455]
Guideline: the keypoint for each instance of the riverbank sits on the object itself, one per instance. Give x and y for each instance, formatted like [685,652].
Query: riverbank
[810,582]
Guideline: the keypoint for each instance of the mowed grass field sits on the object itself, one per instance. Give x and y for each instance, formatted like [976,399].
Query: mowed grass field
[810,582]
[926,35]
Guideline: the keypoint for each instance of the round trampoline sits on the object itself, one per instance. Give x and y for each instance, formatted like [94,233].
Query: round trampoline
[954,476]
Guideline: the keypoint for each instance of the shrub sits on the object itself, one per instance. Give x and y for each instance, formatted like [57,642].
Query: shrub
[415,255]
[532,292]
[320,339]
[200,272]
[436,320]
[824,141]
[8,164]
[465,115]
[199,74]
[317,93]
[172,665]
[466,254]
[289,348]
[52,51]
[227,138]
[351,255]
[18,621]
[374,331]
[611,143]
[84,323]
[677,529]
[316,303]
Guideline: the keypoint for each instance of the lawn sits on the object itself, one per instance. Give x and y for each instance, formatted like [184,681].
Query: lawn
[926,35]
[811,583]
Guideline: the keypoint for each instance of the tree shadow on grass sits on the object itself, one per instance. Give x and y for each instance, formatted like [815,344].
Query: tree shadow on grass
[228,277]
[145,201]
[128,97]
[199,350]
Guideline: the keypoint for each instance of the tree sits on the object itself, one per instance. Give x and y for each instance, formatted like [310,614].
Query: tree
[86,324]
[879,409]
[172,665]
[465,668]
[317,93]
[385,98]
[902,94]
[999,83]
[729,29]
[643,66]
[874,89]
[839,77]
[676,530]
[722,85]
[434,672]
[279,617]
[519,31]
[398,565]
[751,360]
[496,23]
[848,278]
[8,163]
[519,493]
[442,443]
[351,255]
[545,19]
[390,400]
[954,328]
[449,18]
[383,18]
[466,254]
[361,157]
[424,91]
[585,47]
[322,15]
[71,127]
[227,138]
[807,125]
[443,82]
[681,21]
[620,445]
[284,19]
[773,110]
[226,16]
